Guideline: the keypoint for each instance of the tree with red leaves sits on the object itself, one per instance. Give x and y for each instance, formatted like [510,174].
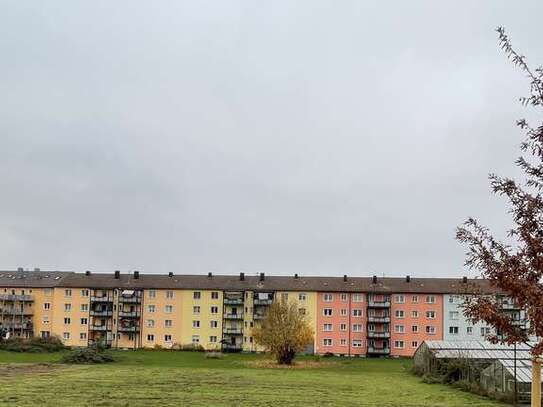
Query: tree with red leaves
[514,268]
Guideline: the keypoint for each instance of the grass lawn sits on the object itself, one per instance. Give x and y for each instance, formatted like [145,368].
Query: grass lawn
[162,378]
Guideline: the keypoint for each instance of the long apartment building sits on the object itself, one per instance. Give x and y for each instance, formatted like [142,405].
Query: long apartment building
[352,316]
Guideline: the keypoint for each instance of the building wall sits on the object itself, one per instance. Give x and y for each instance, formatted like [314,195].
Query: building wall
[196,310]
[415,308]
[341,337]
[155,312]
[69,319]
[453,317]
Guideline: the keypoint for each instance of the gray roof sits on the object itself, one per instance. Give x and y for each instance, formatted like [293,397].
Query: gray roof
[523,371]
[477,350]
[32,279]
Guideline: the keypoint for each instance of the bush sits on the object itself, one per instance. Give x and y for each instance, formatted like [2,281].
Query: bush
[188,348]
[328,355]
[33,345]
[86,355]
[431,379]
[214,355]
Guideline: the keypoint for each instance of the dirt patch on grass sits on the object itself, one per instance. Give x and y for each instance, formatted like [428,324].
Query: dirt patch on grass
[11,369]
[301,364]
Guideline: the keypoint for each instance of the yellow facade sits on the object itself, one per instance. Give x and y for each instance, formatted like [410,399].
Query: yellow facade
[70,315]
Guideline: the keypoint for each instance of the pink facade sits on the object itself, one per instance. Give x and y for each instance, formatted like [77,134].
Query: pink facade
[414,319]
[341,323]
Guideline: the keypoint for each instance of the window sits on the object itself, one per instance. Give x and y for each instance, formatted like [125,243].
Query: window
[342,327]
[453,330]
[68,293]
[45,319]
[357,312]
[451,299]
[301,297]
[343,312]
[415,329]
[47,291]
[357,343]
[196,295]
[399,329]
[399,299]
[430,299]
[167,338]
[151,308]
[415,299]
[453,314]
[343,342]
[327,297]
[67,307]
[469,330]
[83,336]
[195,339]
[66,335]
[414,314]
[84,321]
[214,310]
[213,324]
[150,338]
[150,323]
[327,327]
[430,314]
[214,295]
[213,339]
[399,313]
[152,294]
[343,297]
[46,305]
[67,321]
[485,331]
[327,312]
[357,327]
[168,309]
[414,344]
[84,293]
[196,324]
[327,342]
[398,344]
[84,307]
[301,311]
[168,323]
[430,330]
[196,309]
[358,297]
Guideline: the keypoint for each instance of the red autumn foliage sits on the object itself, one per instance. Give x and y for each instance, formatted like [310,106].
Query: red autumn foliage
[514,268]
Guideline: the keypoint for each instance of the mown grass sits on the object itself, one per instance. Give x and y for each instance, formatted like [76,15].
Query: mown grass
[149,378]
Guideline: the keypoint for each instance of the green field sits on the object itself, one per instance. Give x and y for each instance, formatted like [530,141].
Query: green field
[162,378]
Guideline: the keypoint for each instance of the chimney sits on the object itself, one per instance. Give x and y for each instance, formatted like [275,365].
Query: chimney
[374,280]
[36,269]
[407,279]
[465,280]
[345,278]
[170,274]
[117,274]
[87,273]
[20,269]
[136,275]
[209,274]
[241,276]
[261,278]
[296,276]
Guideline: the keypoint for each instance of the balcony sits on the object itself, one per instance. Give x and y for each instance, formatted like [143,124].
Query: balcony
[259,317]
[17,311]
[101,299]
[232,331]
[379,304]
[128,329]
[378,351]
[379,319]
[233,301]
[232,347]
[375,334]
[16,297]
[266,301]
[129,300]
[107,313]
[129,314]
[233,316]
[26,326]
[98,328]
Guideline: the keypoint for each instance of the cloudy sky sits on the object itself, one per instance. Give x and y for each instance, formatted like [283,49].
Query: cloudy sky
[318,137]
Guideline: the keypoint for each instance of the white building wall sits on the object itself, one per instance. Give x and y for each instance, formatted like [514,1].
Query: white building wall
[454,318]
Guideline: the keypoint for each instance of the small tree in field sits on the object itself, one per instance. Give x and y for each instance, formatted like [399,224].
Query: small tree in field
[514,268]
[284,332]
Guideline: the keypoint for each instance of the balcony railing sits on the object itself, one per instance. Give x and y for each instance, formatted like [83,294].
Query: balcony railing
[130,300]
[374,334]
[18,326]
[267,301]
[107,313]
[378,351]
[232,331]
[258,317]
[129,314]
[17,311]
[128,329]
[16,297]
[98,328]
[233,316]
[378,304]
[233,301]
[101,299]
[232,347]
[378,319]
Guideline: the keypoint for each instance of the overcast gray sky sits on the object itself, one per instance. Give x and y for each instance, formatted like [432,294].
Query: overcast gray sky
[318,137]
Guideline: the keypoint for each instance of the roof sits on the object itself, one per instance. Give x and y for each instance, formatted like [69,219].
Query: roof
[234,283]
[477,350]
[523,370]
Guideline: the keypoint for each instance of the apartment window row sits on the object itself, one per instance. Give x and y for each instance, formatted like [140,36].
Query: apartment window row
[195,338]
[484,331]
[356,297]
[196,295]
[356,343]
[342,327]
[401,344]
[356,312]
[414,314]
